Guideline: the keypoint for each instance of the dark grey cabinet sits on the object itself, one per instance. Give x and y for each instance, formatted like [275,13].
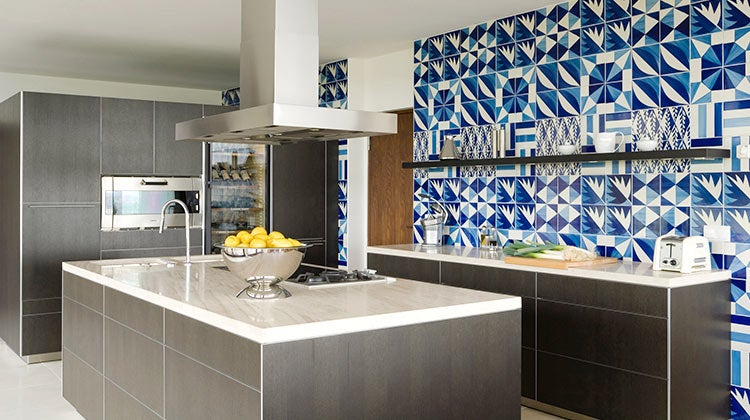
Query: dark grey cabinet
[51,234]
[405,268]
[127,136]
[60,148]
[606,349]
[170,156]
[304,196]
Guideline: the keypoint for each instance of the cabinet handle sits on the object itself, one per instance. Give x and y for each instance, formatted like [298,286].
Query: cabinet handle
[162,182]
[63,206]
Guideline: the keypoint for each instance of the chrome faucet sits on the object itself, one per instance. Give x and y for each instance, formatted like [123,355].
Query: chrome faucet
[187,225]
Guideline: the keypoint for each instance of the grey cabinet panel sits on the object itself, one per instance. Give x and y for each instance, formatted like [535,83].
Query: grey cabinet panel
[528,373]
[127,136]
[42,306]
[700,351]
[41,334]
[10,222]
[405,268]
[83,387]
[497,280]
[142,239]
[135,363]
[150,253]
[142,316]
[599,391]
[231,355]
[423,371]
[121,406]
[603,294]
[83,333]
[53,235]
[626,341]
[83,291]
[61,148]
[298,185]
[194,391]
[489,279]
[173,157]
[209,110]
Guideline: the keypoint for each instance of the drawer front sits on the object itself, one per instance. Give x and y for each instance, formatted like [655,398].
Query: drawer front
[528,373]
[599,391]
[603,294]
[405,268]
[626,341]
[489,279]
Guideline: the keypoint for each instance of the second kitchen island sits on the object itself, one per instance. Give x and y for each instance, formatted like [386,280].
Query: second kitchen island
[154,340]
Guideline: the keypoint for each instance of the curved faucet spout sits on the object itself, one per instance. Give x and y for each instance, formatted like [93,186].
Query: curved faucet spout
[187,224]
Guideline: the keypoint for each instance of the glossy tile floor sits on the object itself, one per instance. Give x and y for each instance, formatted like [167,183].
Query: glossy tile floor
[34,392]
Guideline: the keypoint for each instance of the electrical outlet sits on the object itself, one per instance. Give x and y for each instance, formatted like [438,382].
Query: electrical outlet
[743,151]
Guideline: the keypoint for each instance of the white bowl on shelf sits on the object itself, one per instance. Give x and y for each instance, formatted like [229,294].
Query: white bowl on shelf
[646,144]
[566,149]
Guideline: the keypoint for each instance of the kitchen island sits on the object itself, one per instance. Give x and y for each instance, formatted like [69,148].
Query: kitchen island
[148,338]
[617,341]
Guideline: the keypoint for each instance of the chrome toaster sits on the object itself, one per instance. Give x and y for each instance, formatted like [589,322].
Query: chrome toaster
[685,254]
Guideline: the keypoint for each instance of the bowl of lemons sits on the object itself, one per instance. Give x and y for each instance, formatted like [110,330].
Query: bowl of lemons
[263,259]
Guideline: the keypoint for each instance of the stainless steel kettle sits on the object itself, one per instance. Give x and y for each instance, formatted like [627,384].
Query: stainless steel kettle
[432,222]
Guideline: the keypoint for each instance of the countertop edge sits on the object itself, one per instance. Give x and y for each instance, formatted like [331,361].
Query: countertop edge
[674,280]
[282,334]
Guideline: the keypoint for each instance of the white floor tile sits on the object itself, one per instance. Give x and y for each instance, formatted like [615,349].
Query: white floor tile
[26,376]
[37,402]
[55,367]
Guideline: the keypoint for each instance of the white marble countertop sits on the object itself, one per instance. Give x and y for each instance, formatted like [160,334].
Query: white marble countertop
[207,293]
[623,271]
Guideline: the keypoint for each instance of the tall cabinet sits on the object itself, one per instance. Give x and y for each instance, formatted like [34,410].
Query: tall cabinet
[55,150]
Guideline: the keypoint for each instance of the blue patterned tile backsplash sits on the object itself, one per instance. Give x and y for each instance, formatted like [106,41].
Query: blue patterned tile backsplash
[674,71]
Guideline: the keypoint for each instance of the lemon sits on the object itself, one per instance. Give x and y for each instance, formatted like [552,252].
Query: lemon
[231,241]
[243,245]
[281,243]
[261,236]
[276,235]
[259,230]
[257,243]
[244,236]
[295,242]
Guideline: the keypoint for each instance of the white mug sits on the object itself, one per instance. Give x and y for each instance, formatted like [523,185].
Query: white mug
[607,142]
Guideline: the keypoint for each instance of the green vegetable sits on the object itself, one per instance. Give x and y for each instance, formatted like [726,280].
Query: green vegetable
[533,249]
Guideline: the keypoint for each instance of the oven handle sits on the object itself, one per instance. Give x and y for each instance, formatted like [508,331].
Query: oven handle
[162,182]
[62,206]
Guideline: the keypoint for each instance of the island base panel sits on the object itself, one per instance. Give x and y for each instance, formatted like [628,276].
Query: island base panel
[416,371]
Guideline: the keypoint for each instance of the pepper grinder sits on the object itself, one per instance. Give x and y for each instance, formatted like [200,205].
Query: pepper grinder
[498,142]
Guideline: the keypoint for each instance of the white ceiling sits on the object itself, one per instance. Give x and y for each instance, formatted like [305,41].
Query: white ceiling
[195,43]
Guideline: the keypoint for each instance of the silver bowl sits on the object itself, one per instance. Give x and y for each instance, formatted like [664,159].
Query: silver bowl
[263,268]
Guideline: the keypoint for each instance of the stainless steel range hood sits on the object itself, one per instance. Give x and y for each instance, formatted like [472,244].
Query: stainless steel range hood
[279,85]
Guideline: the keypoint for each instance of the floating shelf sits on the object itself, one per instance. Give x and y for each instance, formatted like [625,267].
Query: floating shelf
[708,153]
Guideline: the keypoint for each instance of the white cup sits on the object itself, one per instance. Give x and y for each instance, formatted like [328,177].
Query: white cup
[607,142]
[566,149]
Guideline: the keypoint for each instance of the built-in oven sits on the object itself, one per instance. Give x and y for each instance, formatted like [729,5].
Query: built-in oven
[135,202]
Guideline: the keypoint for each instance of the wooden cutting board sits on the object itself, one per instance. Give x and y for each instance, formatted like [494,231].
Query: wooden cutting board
[540,262]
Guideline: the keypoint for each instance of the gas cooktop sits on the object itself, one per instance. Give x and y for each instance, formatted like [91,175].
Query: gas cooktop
[336,277]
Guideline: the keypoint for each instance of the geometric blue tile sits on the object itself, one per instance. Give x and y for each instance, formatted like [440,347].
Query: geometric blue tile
[593,189]
[525,26]
[593,219]
[675,189]
[707,189]
[592,13]
[619,219]
[736,15]
[675,220]
[737,189]
[706,17]
[592,40]
[618,35]
[738,219]
[525,216]
[525,189]
[616,9]
[619,189]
